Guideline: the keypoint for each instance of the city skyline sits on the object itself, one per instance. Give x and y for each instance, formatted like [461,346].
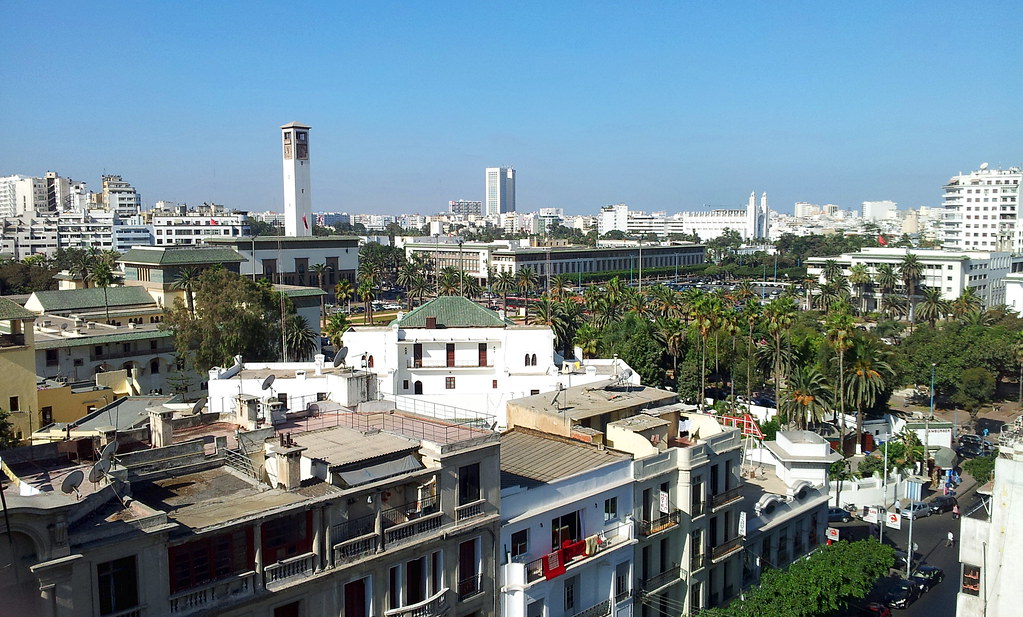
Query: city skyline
[661,107]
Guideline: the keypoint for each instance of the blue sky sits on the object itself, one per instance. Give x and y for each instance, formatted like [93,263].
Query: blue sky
[664,106]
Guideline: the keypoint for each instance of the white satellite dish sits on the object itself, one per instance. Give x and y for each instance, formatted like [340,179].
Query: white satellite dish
[99,470]
[109,450]
[198,406]
[269,381]
[626,374]
[72,481]
[983,166]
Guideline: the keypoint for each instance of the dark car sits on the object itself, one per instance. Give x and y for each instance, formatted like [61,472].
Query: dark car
[901,594]
[942,503]
[838,515]
[926,577]
[969,451]
[972,440]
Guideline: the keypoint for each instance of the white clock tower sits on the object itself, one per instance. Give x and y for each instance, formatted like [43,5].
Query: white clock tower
[298,209]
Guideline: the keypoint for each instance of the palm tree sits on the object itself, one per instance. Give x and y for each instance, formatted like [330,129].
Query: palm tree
[343,291]
[301,341]
[320,270]
[81,268]
[448,283]
[559,286]
[868,375]
[102,276]
[504,283]
[547,312]
[966,303]
[933,307]
[751,313]
[587,339]
[367,292]
[335,327]
[418,288]
[779,313]
[1017,352]
[673,335]
[572,317]
[911,270]
[806,397]
[859,278]
[663,301]
[810,284]
[526,281]
[831,270]
[186,281]
[887,278]
[707,313]
[839,327]
[893,305]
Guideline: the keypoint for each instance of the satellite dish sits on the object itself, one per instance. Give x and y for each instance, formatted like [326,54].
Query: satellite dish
[72,481]
[339,359]
[983,166]
[269,381]
[108,451]
[626,374]
[199,405]
[99,470]
[63,326]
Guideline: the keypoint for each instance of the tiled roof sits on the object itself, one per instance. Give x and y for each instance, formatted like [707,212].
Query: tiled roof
[530,458]
[80,299]
[453,312]
[12,310]
[117,337]
[181,256]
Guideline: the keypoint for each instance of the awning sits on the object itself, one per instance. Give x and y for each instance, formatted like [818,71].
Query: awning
[372,473]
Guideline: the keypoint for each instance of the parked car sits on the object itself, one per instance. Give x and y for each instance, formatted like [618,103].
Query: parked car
[969,451]
[838,515]
[926,577]
[901,594]
[942,503]
[973,440]
[875,609]
[916,510]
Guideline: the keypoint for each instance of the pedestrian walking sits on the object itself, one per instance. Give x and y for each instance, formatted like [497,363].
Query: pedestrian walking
[951,539]
[955,512]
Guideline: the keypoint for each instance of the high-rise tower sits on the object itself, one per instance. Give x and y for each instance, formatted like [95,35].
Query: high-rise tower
[500,195]
[298,209]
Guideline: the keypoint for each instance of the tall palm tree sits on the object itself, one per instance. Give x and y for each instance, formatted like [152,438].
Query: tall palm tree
[806,397]
[320,270]
[572,317]
[448,283]
[707,313]
[102,276]
[81,267]
[559,286]
[186,280]
[859,278]
[672,334]
[887,278]
[932,306]
[418,288]
[301,340]
[1017,353]
[868,374]
[504,283]
[526,281]
[587,339]
[750,315]
[910,269]
[343,292]
[966,303]
[366,292]
[831,270]
[839,329]
[335,328]
[663,301]
[547,312]
[893,305]
[779,313]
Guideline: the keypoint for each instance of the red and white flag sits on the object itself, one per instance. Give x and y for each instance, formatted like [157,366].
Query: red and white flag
[881,241]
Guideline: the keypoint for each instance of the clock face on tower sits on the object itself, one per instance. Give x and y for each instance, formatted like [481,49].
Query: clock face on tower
[287,152]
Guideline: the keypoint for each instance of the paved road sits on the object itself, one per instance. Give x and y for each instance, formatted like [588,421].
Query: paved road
[929,534]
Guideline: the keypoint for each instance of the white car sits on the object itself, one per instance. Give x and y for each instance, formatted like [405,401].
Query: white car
[916,510]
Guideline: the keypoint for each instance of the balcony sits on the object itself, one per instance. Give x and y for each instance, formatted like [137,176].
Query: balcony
[469,510]
[404,532]
[698,508]
[663,523]
[470,587]
[434,606]
[557,562]
[441,364]
[671,575]
[726,497]
[131,353]
[725,549]
[212,594]
[287,570]
[597,610]
[353,549]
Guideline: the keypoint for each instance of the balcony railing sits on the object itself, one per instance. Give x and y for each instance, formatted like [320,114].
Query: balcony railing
[698,508]
[554,564]
[411,529]
[597,610]
[354,528]
[289,569]
[212,594]
[470,510]
[434,606]
[131,353]
[726,497]
[469,587]
[443,364]
[662,523]
[726,548]
[350,550]
[670,575]
[697,561]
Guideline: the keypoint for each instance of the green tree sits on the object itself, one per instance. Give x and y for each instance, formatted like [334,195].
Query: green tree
[300,340]
[867,378]
[806,397]
[185,280]
[932,306]
[977,387]
[910,269]
[504,283]
[103,277]
[8,438]
[335,328]
[320,270]
[859,278]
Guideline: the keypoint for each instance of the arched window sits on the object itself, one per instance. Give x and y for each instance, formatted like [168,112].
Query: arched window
[418,387]
[527,359]
[534,360]
[154,366]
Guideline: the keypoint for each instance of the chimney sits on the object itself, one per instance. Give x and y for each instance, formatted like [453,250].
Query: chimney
[161,430]
[289,466]
[319,359]
[431,323]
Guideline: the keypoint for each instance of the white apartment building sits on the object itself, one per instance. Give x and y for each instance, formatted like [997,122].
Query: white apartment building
[500,190]
[981,211]
[803,209]
[466,207]
[86,229]
[21,195]
[951,271]
[753,222]
[120,197]
[452,351]
[567,533]
[180,225]
[23,236]
[879,210]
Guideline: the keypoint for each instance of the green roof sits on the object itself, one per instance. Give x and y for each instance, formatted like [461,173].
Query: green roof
[298,291]
[181,256]
[119,337]
[81,299]
[10,309]
[453,312]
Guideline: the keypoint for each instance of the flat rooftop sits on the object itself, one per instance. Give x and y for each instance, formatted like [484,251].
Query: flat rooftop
[341,445]
[530,458]
[587,401]
[399,423]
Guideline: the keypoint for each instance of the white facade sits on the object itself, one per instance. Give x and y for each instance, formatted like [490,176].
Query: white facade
[950,271]
[21,194]
[613,218]
[879,210]
[981,211]
[500,190]
[753,222]
[120,197]
[298,209]
[179,225]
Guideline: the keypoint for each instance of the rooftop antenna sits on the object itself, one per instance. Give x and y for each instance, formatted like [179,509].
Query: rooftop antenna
[339,358]
[554,401]
[198,406]
[99,470]
[71,483]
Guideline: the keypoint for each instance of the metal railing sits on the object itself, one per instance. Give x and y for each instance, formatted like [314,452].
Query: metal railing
[469,587]
[288,569]
[210,594]
[726,548]
[597,610]
[671,574]
[698,508]
[12,340]
[443,364]
[470,510]
[240,462]
[434,606]
[410,511]
[667,521]
[726,497]
[353,528]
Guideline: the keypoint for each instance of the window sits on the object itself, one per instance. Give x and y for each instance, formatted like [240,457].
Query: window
[154,366]
[519,543]
[565,529]
[495,384]
[482,354]
[449,383]
[126,347]
[118,585]
[404,384]
[468,484]
[449,348]
[14,404]
[971,579]
[357,598]
[369,363]
[210,559]
[47,415]
[534,392]
[51,357]
[610,509]
[292,609]
[469,568]
[287,536]
[695,597]
[621,581]
[99,350]
[571,591]
[527,360]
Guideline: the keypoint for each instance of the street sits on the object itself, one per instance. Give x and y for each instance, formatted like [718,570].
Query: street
[929,534]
